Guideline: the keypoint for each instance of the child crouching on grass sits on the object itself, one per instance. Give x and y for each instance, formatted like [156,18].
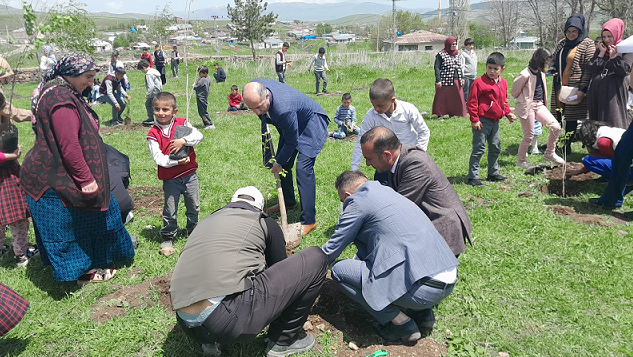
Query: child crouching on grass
[235,100]
[345,118]
[178,176]
[487,104]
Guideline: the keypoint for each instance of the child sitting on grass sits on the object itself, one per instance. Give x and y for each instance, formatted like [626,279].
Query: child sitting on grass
[345,118]
[235,100]
[487,104]
[178,176]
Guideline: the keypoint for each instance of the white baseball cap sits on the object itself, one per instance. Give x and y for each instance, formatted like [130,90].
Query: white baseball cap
[252,191]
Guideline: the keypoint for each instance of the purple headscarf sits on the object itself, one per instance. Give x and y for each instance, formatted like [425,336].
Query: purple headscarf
[72,65]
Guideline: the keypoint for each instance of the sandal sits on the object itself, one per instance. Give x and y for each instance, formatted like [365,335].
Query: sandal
[96,276]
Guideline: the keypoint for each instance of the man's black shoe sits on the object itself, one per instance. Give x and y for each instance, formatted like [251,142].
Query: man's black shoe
[497,178]
[425,319]
[475,182]
[407,332]
[148,122]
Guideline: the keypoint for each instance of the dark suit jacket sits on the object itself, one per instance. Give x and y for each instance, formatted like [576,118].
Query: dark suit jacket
[418,178]
[301,122]
[395,239]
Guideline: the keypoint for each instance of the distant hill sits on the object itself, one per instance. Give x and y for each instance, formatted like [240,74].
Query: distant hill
[304,11]
[361,19]
[127,15]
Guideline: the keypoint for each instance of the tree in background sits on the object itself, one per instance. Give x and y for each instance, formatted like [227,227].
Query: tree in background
[69,27]
[249,22]
[406,22]
[504,18]
[163,18]
[621,9]
[323,29]
[483,35]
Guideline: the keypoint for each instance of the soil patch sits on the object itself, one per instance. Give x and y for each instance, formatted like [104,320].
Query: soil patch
[113,130]
[352,138]
[574,185]
[120,302]
[346,321]
[237,112]
[591,219]
[149,198]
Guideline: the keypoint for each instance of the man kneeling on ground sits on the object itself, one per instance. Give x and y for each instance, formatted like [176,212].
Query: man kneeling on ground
[404,266]
[233,279]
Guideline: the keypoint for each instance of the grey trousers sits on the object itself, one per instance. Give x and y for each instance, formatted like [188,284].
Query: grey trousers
[116,114]
[282,77]
[489,133]
[318,76]
[186,186]
[149,107]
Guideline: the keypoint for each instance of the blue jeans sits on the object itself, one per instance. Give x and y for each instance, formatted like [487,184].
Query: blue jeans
[603,166]
[348,274]
[613,195]
[320,75]
[342,132]
[282,77]
[116,114]
[188,187]
[489,133]
[149,107]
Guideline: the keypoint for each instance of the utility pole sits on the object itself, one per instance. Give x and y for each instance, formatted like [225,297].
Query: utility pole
[215,26]
[394,34]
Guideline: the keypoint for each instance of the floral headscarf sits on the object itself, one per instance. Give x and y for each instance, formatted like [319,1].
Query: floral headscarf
[72,65]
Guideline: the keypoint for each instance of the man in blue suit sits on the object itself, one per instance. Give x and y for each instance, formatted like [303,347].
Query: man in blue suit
[302,126]
[403,264]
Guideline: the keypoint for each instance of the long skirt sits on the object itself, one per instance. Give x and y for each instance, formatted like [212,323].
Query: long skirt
[74,241]
[12,309]
[449,100]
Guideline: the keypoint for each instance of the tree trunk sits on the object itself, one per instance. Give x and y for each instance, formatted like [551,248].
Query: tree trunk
[253,49]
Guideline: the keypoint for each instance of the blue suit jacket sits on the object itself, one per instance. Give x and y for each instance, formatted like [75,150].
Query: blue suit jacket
[301,122]
[396,240]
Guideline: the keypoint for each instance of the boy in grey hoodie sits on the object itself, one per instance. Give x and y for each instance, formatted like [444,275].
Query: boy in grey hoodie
[154,85]
[320,66]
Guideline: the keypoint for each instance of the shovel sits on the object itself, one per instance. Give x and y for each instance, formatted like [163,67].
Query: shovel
[292,232]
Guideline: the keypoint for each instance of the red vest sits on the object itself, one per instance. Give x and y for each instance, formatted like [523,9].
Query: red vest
[168,173]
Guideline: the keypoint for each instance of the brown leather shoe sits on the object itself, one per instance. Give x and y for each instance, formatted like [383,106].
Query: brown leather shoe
[307,228]
[275,208]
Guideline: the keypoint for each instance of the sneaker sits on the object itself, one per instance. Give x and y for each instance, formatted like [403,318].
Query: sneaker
[407,332]
[211,350]
[208,127]
[475,182]
[21,260]
[523,165]
[425,319]
[115,123]
[554,159]
[303,344]
[496,178]
[535,151]
[148,122]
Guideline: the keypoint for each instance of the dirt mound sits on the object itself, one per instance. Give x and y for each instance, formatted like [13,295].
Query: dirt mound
[592,219]
[120,302]
[346,321]
[109,130]
[574,185]
[352,138]
[149,198]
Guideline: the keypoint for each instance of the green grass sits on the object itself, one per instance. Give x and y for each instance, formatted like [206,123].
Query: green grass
[534,284]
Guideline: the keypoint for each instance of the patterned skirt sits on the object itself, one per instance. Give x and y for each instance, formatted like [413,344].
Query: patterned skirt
[13,206]
[12,308]
[74,241]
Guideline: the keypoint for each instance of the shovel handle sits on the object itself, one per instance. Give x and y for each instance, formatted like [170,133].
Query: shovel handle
[280,193]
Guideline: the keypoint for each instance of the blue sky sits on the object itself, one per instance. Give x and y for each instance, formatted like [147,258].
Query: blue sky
[149,6]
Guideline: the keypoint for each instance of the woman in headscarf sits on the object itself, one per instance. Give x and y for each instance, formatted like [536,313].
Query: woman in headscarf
[449,80]
[48,60]
[568,62]
[608,93]
[65,176]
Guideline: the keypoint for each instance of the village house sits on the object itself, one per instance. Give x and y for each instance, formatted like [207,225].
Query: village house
[416,41]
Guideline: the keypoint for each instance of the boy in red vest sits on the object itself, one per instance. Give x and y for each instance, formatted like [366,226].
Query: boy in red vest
[178,176]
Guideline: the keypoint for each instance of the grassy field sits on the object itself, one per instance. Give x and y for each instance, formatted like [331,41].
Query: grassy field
[534,284]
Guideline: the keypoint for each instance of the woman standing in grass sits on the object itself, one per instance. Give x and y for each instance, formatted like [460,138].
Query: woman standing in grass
[530,90]
[449,80]
[569,60]
[608,94]
[65,176]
